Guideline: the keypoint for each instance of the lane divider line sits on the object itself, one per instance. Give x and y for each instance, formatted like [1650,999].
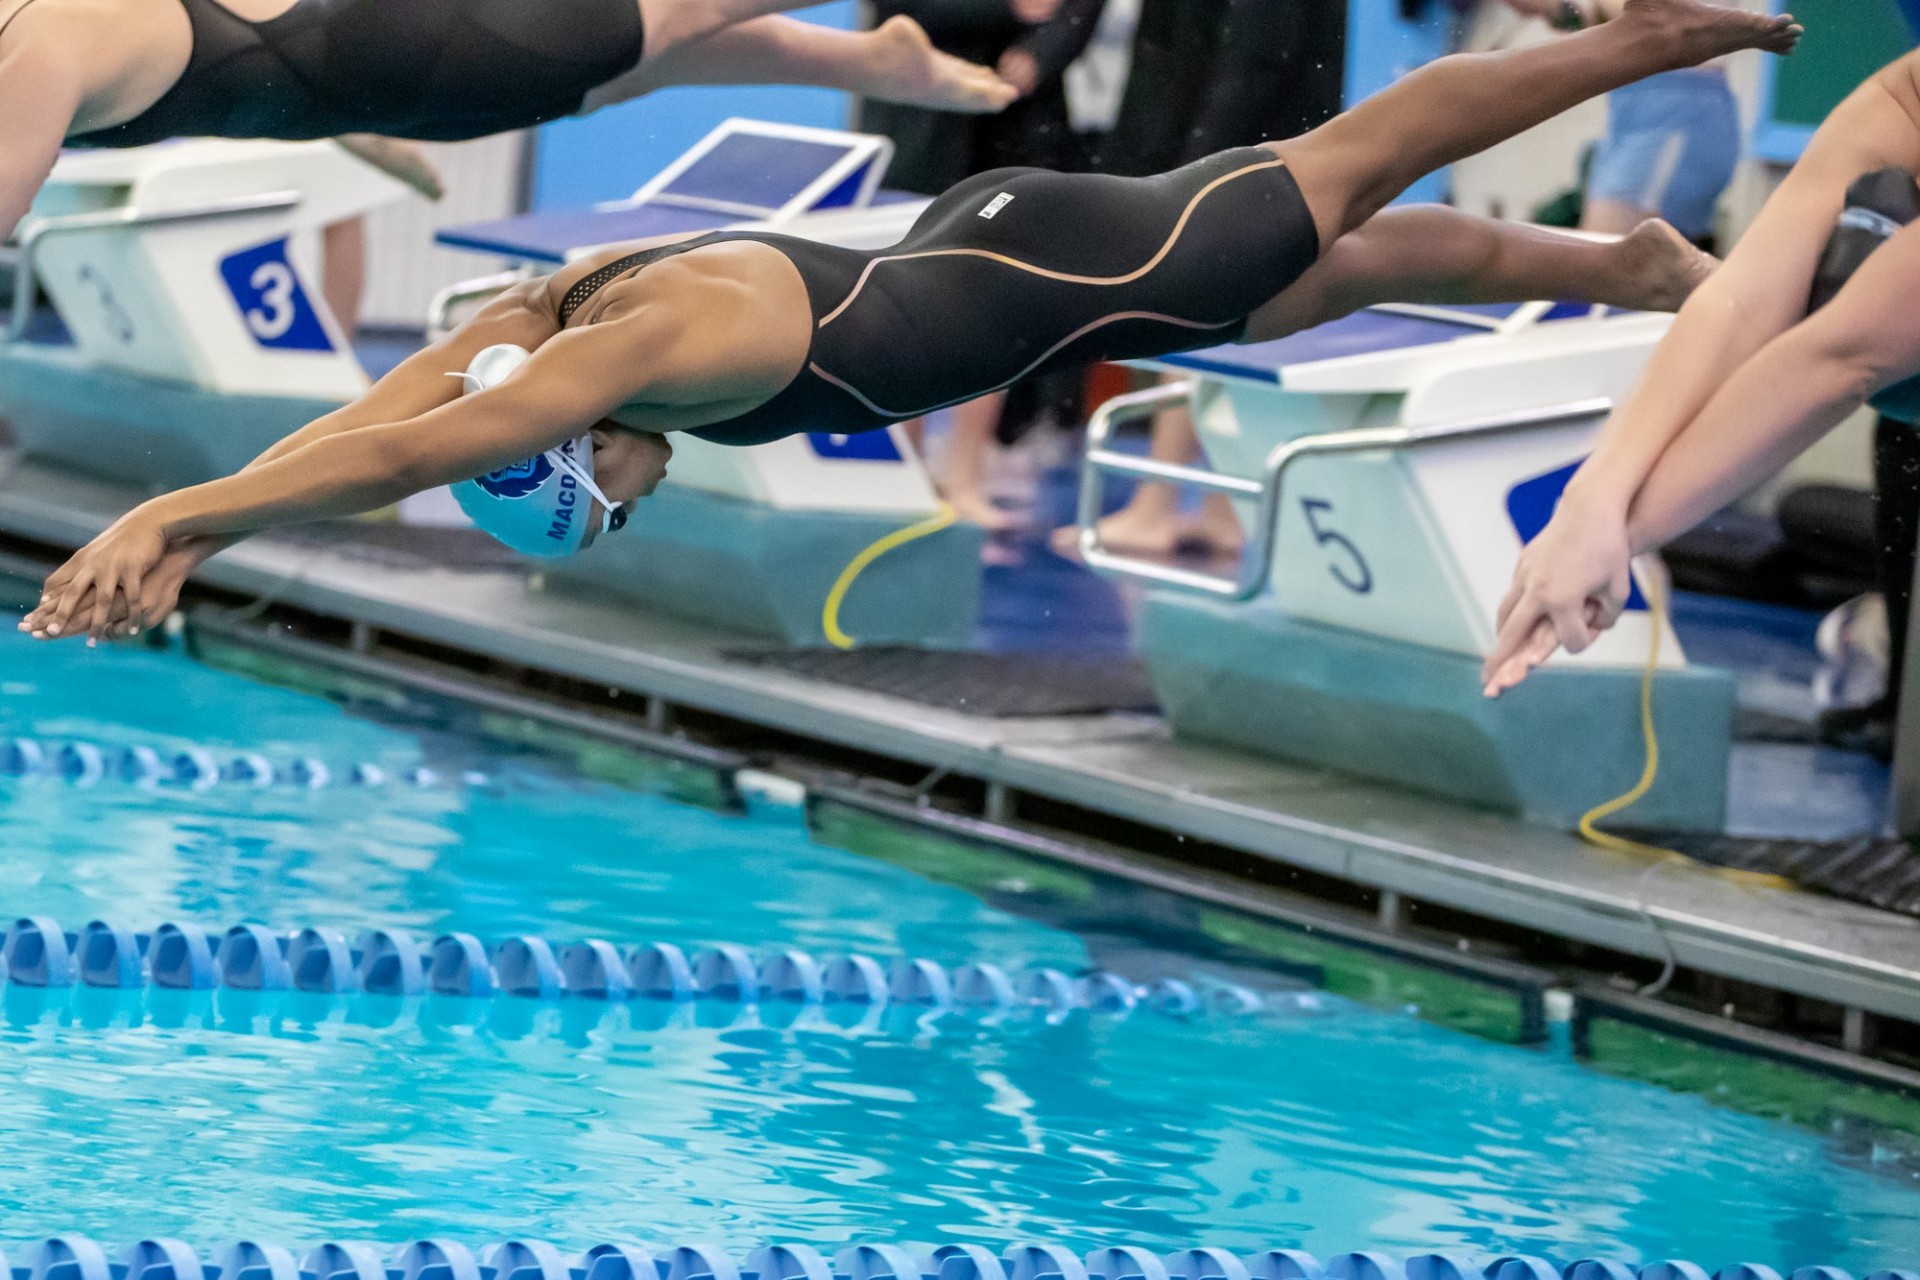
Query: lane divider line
[37,951]
[78,1258]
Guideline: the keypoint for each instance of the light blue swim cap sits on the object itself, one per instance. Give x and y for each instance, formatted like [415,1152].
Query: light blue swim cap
[538,507]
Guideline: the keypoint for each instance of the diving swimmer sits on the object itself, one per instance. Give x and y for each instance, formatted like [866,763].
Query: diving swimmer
[122,73]
[744,337]
[1750,374]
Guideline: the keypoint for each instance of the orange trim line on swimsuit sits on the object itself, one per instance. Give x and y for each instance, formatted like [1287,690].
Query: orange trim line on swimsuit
[1052,351]
[1179,229]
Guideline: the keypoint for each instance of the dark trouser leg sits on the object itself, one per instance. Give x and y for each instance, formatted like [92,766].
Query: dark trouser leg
[1896,469]
[1263,88]
[1349,168]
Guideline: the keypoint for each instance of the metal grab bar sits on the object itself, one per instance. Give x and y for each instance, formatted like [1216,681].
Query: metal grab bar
[37,230]
[440,310]
[1257,568]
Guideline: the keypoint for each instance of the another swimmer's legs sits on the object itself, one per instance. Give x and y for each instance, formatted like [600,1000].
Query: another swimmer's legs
[671,23]
[1352,166]
[1433,254]
[1151,524]
[895,62]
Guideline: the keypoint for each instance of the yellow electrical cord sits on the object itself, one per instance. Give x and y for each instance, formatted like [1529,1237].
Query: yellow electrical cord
[1589,822]
[1589,828]
[945,518]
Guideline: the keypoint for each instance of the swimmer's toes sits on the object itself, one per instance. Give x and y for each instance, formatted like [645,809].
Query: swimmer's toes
[1701,30]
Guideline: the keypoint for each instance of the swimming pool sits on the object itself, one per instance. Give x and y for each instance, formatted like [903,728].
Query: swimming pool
[1315,1123]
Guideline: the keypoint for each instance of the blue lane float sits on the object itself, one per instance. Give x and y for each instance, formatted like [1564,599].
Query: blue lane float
[195,769]
[78,1258]
[36,951]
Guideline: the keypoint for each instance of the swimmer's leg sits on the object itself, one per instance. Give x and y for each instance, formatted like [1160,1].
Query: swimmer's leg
[1433,254]
[672,23]
[1352,166]
[895,62]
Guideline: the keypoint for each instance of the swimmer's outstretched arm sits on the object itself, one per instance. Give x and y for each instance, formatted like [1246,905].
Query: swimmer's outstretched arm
[1795,390]
[1574,579]
[571,383]
[1800,386]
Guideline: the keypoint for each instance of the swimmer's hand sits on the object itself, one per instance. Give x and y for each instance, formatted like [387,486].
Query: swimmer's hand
[406,161]
[1035,12]
[1572,583]
[103,577]
[1021,70]
[159,595]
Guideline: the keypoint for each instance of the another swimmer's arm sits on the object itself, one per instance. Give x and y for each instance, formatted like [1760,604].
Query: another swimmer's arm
[1758,294]
[39,95]
[1799,387]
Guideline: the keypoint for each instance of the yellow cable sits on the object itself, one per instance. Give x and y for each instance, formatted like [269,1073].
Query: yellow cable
[1651,773]
[1589,828]
[945,518]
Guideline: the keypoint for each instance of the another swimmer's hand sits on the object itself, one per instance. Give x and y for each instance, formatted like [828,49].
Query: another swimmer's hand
[1019,69]
[85,593]
[1572,583]
[1035,12]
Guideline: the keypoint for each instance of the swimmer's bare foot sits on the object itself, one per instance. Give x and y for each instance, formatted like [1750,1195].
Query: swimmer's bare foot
[1660,268]
[977,508]
[1217,528]
[907,68]
[1138,529]
[1697,31]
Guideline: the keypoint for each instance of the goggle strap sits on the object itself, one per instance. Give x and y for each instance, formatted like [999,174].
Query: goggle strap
[572,466]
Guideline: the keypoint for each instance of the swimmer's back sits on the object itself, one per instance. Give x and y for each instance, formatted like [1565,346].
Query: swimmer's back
[1011,274]
[436,70]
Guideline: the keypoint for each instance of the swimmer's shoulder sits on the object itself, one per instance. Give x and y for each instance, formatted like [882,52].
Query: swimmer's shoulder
[120,56]
[733,277]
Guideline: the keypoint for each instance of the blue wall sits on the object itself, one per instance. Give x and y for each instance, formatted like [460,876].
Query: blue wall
[607,155]
[1382,47]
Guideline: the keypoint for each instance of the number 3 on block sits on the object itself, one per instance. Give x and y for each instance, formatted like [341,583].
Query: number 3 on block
[1348,567]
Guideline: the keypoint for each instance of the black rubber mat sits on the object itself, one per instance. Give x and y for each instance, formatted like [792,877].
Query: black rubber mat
[404,547]
[1880,871]
[982,684]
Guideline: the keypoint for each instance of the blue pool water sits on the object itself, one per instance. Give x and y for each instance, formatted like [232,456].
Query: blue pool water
[1317,1124]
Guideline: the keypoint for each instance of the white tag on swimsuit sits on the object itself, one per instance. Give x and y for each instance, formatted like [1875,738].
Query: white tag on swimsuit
[1000,202]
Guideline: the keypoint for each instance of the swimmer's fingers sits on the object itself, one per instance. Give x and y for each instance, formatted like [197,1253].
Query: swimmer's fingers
[161,595]
[1518,618]
[1532,651]
[1572,623]
[59,613]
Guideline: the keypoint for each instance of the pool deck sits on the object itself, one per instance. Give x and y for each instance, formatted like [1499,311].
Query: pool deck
[1128,766]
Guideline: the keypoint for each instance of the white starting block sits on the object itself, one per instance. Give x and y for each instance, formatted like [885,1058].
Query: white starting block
[1390,467]
[191,332]
[752,539]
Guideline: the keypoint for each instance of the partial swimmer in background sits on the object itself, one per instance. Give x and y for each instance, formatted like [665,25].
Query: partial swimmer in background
[123,73]
[747,336]
[1248,71]
[343,245]
[1672,144]
[1758,365]
[1031,43]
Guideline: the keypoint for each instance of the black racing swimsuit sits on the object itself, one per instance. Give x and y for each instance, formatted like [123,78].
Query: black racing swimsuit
[1019,271]
[436,70]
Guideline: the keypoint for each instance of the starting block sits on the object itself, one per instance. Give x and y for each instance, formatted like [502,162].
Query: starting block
[192,330]
[753,539]
[1389,468]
